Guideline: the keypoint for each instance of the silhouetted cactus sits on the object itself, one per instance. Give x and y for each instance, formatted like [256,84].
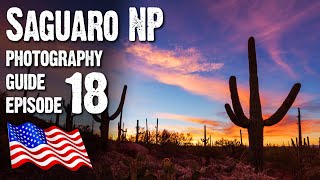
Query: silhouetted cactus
[57,119]
[308,142]
[292,142]
[205,140]
[92,125]
[138,132]
[255,123]
[146,136]
[299,128]
[299,147]
[123,133]
[105,118]
[241,138]
[119,127]
[69,115]
[157,131]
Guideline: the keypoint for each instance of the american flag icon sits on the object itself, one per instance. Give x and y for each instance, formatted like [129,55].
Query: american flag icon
[46,147]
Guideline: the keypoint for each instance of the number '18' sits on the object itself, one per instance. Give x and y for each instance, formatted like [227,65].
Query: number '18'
[76,82]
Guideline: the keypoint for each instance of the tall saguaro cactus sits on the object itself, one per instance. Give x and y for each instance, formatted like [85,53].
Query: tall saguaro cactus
[241,137]
[138,132]
[57,119]
[255,122]
[69,114]
[157,131]
[299,128]
[105,118]
[205,139]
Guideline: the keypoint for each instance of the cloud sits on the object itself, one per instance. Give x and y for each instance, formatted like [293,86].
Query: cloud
[188,119]
[143,58]
[267,21]
[311,106]
[286,129]
[180,71]
[179,60]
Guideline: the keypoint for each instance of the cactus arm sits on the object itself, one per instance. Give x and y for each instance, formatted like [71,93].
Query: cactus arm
[283,109]
[255,104]
[64,104]
[235,99]
[119,109]
[244,123]
[96,118]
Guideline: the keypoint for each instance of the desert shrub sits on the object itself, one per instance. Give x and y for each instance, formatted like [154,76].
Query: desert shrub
[284,157]
[209,152]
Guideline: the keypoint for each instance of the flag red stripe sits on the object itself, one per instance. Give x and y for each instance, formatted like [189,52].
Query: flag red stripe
[44,158]
[55,127]
[44,149]
[52,163]
[59,133]
[62,139]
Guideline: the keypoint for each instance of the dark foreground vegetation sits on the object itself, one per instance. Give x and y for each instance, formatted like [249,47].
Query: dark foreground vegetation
[174,157]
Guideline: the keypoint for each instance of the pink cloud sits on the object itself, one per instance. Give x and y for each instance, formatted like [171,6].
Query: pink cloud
[267,21]
[277,134]
[179,60]
[188,119]
[179,71]
[176,72]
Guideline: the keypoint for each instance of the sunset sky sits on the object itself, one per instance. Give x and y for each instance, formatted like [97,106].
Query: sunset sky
[182,77]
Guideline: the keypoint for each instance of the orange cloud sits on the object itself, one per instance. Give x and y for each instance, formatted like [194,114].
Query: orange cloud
[188,119]
[144,59]
[286,129]
[179,71]
[179,60]
[277,134]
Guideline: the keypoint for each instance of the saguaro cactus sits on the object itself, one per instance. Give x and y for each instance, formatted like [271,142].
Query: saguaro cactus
[157,131]
[138,132]
[123,133]
[92,125]
[69,115]
[57,119]
[146,137]
[255,122]
[241,137]
[105,118]
[292,142]
[299,128]
[205,140]
[119,127]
